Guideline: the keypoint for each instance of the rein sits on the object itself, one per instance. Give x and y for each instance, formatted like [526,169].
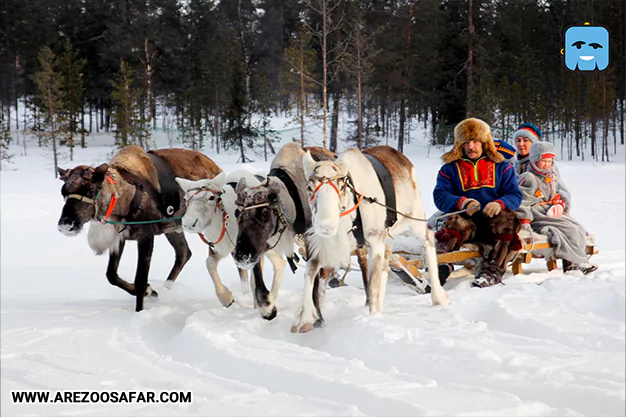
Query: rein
[361,197]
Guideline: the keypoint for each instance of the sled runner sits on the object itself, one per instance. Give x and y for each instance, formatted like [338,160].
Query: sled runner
[407,264]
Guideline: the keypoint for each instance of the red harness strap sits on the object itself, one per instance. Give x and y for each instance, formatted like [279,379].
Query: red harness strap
[330,182]
[322,182]
[222,233]
[111,204]
[350,210]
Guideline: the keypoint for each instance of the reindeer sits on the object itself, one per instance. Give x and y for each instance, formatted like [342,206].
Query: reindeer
[211,214]
[134,197]
[344,216]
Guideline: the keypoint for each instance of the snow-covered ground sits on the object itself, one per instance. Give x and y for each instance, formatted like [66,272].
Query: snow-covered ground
[517,349]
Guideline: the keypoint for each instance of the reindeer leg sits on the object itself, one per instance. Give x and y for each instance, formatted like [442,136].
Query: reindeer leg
[384,275]
[278,264]
[145,247]
[243,278]
[261,294]
[361,255]
[437,293]
[375,264]
[112,276]
[183,254]
[222,292]
[319,291]
[307,314]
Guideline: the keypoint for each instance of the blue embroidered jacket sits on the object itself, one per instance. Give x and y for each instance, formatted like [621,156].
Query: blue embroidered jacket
[483,180]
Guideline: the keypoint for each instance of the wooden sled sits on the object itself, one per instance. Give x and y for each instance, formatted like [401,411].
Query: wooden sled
[533,247]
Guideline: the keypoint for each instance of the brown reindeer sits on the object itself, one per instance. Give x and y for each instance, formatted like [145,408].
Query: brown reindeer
[134,197]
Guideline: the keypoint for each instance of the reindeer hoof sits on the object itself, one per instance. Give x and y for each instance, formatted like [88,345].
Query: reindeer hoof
[318,323]
[150,292]
[305,328]
[271,315]
[335,283]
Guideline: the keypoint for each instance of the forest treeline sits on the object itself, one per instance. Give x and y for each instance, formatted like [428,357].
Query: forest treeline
[121,65]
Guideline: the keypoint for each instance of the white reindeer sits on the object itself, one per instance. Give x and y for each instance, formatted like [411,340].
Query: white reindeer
[336,190]
[210,212]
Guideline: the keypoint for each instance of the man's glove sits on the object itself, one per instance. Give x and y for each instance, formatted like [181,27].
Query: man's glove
[492,209]
[471,205]
[555,211]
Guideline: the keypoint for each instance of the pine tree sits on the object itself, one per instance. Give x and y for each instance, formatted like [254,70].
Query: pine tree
[238,133]
[5,141]
[132,126]
[299,78]
[49,82]
[72,68]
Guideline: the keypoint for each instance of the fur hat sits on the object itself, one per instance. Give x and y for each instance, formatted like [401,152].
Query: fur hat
[540,150]
[472,129]
[529,131]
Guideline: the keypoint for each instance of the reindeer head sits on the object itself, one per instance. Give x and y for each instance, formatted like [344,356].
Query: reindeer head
[202,200]
[80,190]
[258,218]
[327,187]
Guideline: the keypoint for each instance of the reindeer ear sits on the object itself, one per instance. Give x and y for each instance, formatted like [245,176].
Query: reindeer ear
[343,168]
[185,184]
[99,173]
[242,184]
[64,174]
[308,163]
[219,180]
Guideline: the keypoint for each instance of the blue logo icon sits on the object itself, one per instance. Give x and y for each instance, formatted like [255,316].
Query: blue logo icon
[587,48]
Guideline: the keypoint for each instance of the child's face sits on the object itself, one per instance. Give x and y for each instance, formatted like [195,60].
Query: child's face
[544,163]
[522,145]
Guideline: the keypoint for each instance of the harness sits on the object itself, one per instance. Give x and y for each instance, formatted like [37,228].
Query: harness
[357,223]
[384,177]
[329,181]
[299,223]
[386,182]
[278,208]
[219,204]
[141,187]
[85,199]
[169,198]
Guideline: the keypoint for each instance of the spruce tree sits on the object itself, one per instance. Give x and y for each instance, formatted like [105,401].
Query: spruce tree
[132,125]
[49,81]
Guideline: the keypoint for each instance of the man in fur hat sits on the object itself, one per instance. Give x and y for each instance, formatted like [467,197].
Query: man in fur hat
[475,176]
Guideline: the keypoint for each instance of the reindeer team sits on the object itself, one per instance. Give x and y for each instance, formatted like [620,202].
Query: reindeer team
[336,204]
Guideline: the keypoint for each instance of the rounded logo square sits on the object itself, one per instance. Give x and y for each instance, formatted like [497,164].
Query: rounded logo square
[587,48]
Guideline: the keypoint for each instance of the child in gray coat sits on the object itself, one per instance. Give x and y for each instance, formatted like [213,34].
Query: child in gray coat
[546,205]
